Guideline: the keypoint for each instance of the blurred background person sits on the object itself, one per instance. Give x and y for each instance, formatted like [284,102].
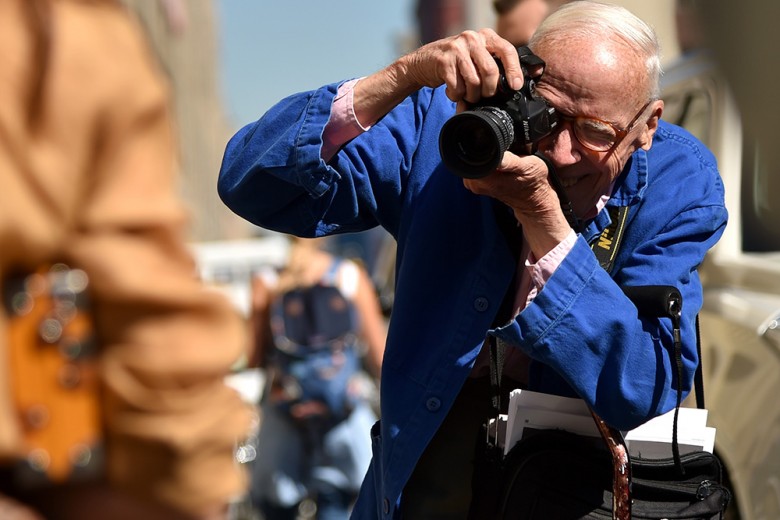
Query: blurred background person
[87,159]
[516,20]
[312,324]
[688,26]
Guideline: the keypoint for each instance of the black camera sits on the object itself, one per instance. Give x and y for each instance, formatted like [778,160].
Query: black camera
[473,142]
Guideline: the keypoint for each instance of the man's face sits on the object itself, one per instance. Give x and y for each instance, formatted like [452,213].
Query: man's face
[603,81]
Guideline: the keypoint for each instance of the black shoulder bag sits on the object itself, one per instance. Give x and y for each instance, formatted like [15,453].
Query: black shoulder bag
[561,475]
[554,474]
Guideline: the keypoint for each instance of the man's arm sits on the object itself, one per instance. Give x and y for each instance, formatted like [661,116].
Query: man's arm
[282,153]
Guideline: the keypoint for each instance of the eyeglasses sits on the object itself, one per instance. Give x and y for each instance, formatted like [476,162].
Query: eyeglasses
[598,135]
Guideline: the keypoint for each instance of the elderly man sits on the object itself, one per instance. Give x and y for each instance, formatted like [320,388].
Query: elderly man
[497,255]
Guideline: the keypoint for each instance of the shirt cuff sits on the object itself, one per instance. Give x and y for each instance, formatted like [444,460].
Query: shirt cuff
[543,269]
[343,124]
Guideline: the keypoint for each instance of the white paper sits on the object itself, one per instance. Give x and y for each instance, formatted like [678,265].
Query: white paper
[652,439]
[545,411]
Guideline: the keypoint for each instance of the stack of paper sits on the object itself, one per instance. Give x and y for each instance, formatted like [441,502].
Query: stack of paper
[536,411]
[653,439]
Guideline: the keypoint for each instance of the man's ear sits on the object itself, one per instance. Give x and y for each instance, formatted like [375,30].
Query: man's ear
[651,125]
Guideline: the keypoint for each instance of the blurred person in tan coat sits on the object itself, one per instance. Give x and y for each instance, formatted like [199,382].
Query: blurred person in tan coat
[87,162]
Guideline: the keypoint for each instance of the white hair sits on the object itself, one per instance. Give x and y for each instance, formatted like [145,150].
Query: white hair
[589,19]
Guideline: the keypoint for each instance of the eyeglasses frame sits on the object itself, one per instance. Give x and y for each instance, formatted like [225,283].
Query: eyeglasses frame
[620,133]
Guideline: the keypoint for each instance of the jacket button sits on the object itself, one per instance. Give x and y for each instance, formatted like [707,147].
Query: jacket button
[433,404]
[386,506]
[481,304]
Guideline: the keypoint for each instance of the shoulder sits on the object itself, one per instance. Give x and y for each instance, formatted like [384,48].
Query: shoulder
[681,175]
[676,144]
[678,160]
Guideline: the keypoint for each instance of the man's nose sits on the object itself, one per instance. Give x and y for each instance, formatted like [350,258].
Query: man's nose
[562,147]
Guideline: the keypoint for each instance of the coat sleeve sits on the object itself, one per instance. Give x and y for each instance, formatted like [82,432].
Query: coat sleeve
[273,175]
[585,335]
[167,342]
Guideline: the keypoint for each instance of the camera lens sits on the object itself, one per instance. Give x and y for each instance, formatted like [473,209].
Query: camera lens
[472,143]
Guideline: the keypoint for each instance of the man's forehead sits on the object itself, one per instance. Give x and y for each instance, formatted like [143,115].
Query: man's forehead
[604,54]
[593,69]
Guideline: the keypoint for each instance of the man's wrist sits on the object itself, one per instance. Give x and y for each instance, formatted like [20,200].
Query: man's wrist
[544,229]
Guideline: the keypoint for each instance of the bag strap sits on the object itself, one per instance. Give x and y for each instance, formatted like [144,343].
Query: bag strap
[621,468]
[698,378]
[665,301]
[496,348]
[605,248]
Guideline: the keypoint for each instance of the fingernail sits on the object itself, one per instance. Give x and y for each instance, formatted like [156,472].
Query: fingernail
[517,82]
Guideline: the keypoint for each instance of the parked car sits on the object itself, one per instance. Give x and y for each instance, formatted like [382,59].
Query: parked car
[740,318]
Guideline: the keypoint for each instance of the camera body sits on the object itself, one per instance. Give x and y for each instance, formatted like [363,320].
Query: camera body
[472,143]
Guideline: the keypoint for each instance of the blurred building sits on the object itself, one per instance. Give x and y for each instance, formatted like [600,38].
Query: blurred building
[184,35]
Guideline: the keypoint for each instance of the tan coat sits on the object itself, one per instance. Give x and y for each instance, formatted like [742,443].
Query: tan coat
[94,186]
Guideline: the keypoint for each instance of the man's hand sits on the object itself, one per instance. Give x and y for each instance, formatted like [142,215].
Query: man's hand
[465,63]
[521,182]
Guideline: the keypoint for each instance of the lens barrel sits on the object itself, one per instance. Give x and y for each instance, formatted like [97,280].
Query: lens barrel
[473,143]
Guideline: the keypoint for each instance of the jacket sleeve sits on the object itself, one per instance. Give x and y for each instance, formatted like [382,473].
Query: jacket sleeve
[273,175]
[584,332]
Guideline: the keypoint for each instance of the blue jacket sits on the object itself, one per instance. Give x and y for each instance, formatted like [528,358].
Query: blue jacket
[454,266]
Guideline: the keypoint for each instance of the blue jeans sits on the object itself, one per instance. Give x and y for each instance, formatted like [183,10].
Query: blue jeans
[286,471]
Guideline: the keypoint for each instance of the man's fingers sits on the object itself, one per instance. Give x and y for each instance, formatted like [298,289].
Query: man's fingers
[527,165]
[507,53]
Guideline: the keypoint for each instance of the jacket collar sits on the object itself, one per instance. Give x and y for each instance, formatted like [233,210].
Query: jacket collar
[628,191]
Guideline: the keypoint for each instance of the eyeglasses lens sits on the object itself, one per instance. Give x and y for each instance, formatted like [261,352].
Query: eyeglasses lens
[594,134]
